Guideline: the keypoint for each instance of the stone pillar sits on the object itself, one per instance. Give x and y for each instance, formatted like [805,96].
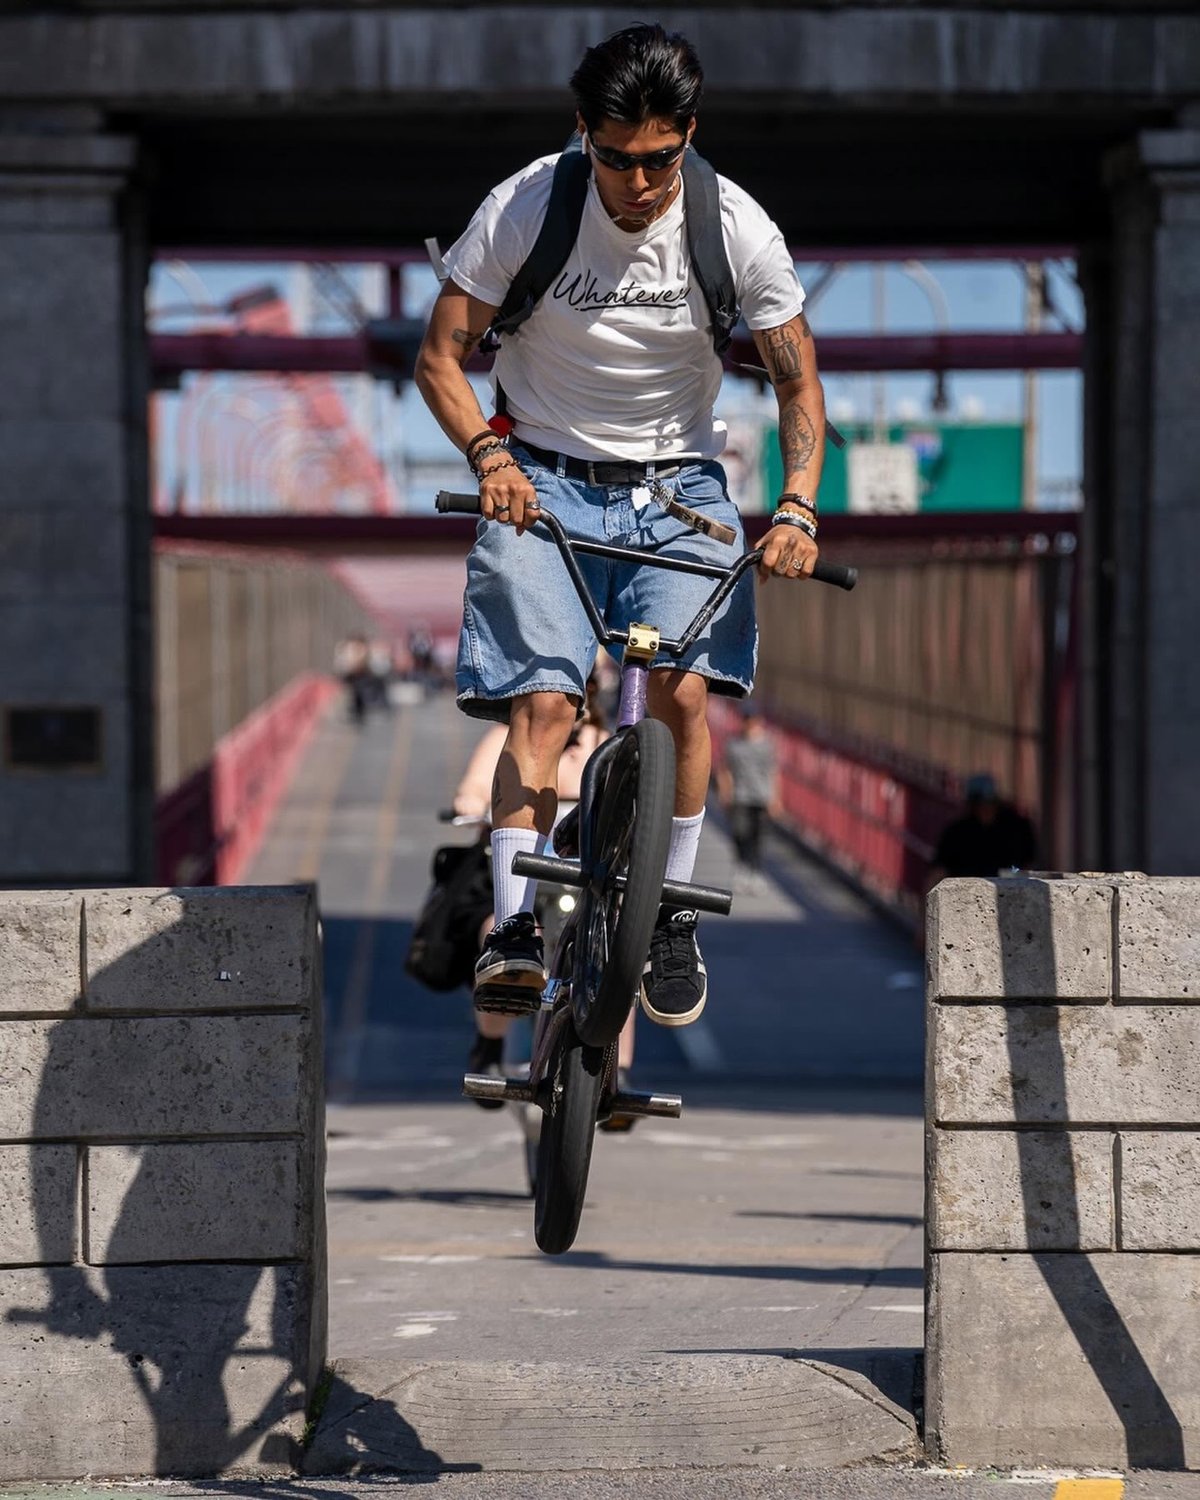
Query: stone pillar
[1143,527]
[1063,1172]
[162,1209]
[75,690]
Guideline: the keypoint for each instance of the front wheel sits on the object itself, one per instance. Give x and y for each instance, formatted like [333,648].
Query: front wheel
[564,1151]
[631,839]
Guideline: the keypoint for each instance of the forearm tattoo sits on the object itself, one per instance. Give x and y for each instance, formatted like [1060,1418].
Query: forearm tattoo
[797,440]
[784,360]
[466,338]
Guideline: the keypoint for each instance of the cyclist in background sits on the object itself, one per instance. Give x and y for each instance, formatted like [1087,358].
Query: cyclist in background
[610,387]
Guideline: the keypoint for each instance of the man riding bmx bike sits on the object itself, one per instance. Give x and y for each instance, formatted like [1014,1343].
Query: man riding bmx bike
[609,388]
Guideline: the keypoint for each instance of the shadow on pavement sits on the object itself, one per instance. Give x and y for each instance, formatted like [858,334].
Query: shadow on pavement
[451,1197]
[360,1433]
[909,1220]
[895,1276]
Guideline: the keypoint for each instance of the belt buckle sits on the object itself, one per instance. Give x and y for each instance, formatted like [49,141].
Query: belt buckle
[591,473]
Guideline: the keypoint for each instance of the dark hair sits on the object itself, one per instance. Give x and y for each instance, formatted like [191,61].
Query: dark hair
[641,73]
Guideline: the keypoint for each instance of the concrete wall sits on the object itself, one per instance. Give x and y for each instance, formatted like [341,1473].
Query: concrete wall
[1063,1213]
[162,1257]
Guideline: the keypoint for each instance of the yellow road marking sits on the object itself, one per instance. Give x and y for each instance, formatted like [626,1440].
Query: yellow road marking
[1089,1489]
[309,865]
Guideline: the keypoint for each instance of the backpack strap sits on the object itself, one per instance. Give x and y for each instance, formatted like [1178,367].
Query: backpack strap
[556,238]
[702,210]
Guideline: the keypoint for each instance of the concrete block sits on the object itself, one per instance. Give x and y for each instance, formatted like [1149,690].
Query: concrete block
[1021,1190]
[1160,1190]
[37,1205]
[1020,939]
[1046,1064]
[39,951]
[174,950]
[1064,1360]
[1158,940]
[216,1200]
[91,1077]
[189,1370]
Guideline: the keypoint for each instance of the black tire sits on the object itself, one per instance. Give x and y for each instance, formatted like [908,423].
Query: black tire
[633,833]
[564,1151]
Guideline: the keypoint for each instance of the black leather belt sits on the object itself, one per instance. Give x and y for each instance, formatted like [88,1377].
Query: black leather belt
[605,471]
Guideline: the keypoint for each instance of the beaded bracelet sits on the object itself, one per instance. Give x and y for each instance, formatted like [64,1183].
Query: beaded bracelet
[789,518]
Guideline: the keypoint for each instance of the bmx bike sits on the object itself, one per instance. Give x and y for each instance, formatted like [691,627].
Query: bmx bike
[620,833]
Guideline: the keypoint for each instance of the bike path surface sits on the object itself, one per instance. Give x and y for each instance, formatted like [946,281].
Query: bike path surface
[769,1240]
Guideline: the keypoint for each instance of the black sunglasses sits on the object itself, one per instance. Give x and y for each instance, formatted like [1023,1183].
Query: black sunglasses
[651,161]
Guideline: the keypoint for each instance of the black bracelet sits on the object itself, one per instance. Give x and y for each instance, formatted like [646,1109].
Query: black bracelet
[790,497]
[789,518]
[479,437]
[482,452]
[507,463]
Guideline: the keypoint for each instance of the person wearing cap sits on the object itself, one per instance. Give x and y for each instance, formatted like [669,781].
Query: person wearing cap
[989,837]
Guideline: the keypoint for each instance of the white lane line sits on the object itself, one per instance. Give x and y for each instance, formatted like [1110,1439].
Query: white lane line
[431,1260]
[699,1046]
[904,1307]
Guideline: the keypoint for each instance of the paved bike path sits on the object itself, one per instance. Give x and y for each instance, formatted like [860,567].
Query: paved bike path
[777,1223]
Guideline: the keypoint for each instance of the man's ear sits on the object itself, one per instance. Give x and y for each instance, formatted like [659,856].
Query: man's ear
[691,130]
[580,127]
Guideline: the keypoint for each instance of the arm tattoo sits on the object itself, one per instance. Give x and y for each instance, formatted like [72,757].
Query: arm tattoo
[805,330]
[783,354]
[466,338]
[797,441]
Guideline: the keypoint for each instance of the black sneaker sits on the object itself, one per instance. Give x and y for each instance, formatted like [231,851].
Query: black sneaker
[511,972]
[484,1057]
[674,981]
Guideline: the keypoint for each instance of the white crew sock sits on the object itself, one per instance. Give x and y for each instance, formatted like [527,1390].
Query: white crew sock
[513,893]
[685,840]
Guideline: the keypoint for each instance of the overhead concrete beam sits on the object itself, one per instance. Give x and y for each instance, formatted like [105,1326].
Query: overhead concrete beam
[335,56]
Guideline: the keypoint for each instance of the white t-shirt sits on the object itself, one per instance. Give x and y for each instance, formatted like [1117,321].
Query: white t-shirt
[617,360]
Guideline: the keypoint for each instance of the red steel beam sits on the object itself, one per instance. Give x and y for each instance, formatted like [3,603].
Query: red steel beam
[346,534]
[173,354]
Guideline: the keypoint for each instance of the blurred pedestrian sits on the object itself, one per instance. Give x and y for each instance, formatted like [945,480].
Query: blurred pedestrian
[748,785]
[351,662]
[990,837]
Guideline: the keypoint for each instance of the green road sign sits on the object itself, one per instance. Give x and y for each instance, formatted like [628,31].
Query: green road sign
[974,466]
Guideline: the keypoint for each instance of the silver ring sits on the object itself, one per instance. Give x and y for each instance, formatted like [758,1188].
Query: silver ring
[797,564]
[502,510]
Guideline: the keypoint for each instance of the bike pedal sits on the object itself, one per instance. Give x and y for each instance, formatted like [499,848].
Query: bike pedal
[504,1090]
[509,1000]
[669,1106]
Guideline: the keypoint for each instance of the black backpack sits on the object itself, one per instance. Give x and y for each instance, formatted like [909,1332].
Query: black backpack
[560,229]
[445,942]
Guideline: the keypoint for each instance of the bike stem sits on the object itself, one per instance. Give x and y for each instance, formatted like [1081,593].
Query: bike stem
[641,647]
[635,679]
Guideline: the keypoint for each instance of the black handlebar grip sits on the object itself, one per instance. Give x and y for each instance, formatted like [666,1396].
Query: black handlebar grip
[838,574]
[451,504]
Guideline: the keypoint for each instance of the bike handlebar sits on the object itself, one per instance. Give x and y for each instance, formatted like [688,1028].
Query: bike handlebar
[839,575]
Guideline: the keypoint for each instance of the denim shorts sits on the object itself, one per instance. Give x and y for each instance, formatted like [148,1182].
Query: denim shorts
[524,629]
